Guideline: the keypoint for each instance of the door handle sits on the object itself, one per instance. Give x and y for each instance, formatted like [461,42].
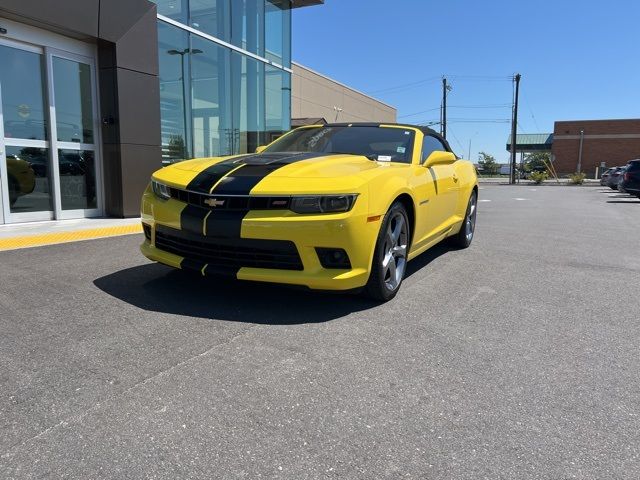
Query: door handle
[455,177]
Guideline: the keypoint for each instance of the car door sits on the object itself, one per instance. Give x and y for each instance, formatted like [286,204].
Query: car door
[437,192]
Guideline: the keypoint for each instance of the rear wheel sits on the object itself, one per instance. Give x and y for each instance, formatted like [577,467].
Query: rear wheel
[464,237]
[390,255]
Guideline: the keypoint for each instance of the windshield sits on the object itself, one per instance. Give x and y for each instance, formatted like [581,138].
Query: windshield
[383,144]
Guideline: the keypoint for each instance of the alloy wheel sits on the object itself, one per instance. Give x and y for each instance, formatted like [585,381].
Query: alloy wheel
[394,261]
[470,223]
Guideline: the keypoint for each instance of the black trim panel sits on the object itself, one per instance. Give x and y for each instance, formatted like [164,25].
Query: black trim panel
[227,255]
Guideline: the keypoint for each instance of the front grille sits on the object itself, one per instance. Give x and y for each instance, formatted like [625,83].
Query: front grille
[229,253]
[226,202]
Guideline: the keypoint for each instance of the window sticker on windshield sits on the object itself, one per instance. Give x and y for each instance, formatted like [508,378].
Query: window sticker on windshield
[407,133]
[384,158]
[401,149]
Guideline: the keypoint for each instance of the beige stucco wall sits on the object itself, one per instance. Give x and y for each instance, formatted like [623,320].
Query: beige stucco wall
[314,95]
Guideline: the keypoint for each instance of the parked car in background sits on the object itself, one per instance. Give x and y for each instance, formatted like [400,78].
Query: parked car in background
[614,178]
[605,176]
[630,182]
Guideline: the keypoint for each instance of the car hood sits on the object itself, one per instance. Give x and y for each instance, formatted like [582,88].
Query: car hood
[271,172]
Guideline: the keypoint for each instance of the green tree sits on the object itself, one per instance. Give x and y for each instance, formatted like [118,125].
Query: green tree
[488,164]
[536,161]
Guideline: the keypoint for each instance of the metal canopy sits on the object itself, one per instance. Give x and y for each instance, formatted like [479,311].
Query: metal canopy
[532,142]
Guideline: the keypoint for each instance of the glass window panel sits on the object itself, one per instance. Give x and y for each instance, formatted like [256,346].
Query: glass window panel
[29,179]
[77,179]
[74,104]
[173,46]
[210,98]
[22,84]
[174,9]
[278,100]
[212,17]
[248,116]
[247,30]
[278,32]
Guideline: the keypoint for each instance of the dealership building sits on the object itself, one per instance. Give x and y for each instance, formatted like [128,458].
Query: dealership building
[97,94]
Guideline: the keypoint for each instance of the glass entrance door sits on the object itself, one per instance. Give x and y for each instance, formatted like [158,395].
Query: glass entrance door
[48,135]
[24,136]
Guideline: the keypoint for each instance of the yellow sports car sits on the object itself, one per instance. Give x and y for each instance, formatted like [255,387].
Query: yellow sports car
[329,207]
[22,179]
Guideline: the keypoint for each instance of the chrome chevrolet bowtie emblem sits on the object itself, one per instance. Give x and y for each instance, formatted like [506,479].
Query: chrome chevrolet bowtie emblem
[214,202]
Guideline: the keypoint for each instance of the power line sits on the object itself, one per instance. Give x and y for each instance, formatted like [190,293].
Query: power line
[405,85]
[419,113]
[456,139]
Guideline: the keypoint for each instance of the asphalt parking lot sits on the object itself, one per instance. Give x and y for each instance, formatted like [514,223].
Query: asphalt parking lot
[516,358]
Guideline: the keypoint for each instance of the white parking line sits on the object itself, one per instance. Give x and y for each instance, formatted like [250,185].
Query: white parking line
[484,200]
[521,199]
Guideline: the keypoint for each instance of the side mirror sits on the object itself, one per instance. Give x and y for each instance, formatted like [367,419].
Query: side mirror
[260,148]
[439,157]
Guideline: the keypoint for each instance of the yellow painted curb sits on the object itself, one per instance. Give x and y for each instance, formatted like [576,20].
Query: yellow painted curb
[37,240]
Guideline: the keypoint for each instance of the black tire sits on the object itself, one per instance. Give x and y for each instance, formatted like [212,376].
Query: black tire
[464,237]
[383,285]
[613,188]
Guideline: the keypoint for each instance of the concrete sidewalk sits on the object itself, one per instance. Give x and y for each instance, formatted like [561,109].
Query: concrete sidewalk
[25,235]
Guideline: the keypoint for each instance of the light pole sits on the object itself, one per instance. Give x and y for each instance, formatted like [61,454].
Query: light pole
[470,138]
[182,53]
[580,150]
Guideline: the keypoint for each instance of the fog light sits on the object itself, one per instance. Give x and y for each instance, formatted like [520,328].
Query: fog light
[147,231]
[333,258]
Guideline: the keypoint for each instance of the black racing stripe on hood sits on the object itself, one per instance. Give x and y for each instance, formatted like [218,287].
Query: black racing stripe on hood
[256,168]
[205,180]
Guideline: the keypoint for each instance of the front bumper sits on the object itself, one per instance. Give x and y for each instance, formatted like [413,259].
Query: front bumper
[349,231]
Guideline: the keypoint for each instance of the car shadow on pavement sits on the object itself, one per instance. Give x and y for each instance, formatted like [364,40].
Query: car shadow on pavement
[631,200]
[158,288]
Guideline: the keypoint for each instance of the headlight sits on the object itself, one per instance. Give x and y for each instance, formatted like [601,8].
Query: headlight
[323,204]
[161,190]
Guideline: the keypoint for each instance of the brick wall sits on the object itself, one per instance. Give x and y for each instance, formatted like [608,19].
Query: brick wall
[614,142]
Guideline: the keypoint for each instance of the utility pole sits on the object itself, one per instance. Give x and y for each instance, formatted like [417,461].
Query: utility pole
[514,129]
[445,88]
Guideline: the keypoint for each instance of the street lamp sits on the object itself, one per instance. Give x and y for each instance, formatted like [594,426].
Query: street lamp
[182,53]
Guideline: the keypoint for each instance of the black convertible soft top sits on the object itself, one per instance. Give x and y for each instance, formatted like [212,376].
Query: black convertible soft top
[423,129]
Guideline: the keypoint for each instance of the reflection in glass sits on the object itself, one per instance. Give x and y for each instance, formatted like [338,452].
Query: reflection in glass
[22,83]
[77,179]
[173,103]
[174,9]
[213,17]
[278,100]
[247,29]
[74,108]
[210,102]
[28,179]
[248,103]
[278,32]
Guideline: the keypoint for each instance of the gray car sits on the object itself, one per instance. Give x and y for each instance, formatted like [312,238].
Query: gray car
[615,176]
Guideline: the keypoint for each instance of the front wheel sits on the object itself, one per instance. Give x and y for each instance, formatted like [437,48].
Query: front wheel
[390,255]
[464,237]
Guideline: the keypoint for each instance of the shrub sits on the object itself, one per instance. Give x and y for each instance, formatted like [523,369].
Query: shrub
[538,177]
[577,178]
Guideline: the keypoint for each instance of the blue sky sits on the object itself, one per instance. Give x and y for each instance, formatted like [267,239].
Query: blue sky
[578,60]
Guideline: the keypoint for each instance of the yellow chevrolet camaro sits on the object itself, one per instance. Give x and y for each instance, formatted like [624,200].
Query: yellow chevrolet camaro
[329,207]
